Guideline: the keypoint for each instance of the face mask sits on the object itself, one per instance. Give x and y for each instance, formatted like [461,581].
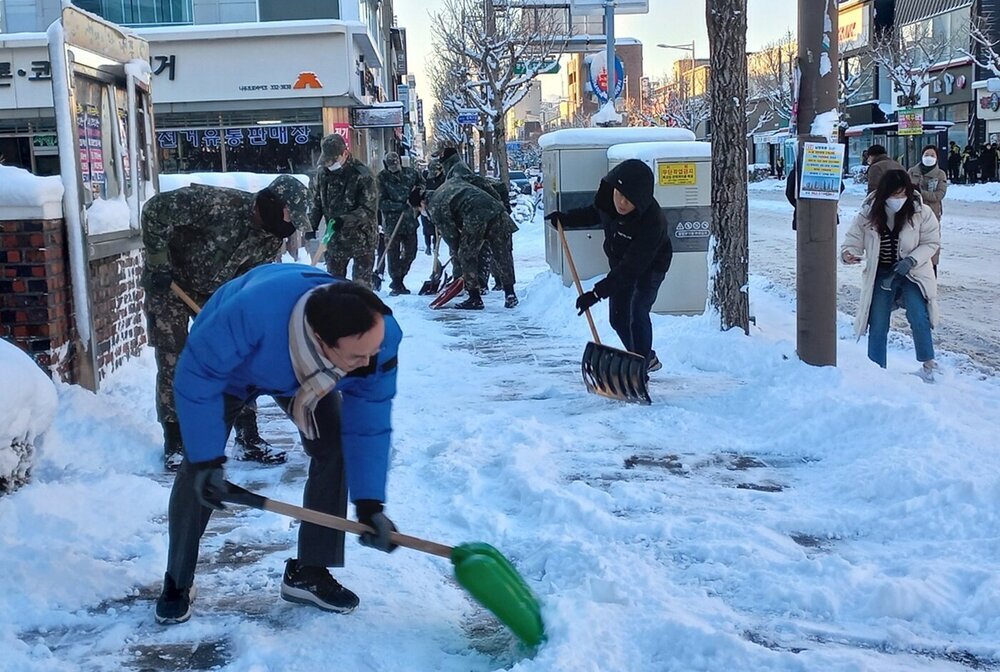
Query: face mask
[929,161]
[334,167]
[895,204]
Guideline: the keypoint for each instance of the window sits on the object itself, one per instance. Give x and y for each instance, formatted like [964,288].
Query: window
[291,10]
[139,12]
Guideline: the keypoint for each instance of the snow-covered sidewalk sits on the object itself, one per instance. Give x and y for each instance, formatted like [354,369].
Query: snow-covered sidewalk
[761,515]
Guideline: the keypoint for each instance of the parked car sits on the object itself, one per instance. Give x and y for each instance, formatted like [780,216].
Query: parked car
[520,182]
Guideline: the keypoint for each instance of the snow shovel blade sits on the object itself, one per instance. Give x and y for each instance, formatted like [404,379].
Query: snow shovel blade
[616,374]
[492,580]
[479,568]
[430,287]
[448,292]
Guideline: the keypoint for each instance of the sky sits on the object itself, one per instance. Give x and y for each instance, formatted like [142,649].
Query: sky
[668,21]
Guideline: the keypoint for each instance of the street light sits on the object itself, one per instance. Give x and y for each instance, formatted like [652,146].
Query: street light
[686,47]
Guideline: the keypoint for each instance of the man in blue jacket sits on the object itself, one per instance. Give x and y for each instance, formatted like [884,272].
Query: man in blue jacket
[325,349]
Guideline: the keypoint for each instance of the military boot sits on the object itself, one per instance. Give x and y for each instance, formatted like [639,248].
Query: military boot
[510,298]
[250,447]
[474,302]
[173,446]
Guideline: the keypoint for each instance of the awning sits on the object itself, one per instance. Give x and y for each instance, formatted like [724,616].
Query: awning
[929,127]
[770,137]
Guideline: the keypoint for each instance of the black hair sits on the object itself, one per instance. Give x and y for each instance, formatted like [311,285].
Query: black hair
[270,206]
[893,181]
[924,150]
[343,309]
[876,150]
[448,152]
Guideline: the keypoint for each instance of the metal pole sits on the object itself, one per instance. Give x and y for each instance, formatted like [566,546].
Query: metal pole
[609,29]
[816,237]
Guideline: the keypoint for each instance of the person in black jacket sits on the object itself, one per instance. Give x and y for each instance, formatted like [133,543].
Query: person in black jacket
[637,243]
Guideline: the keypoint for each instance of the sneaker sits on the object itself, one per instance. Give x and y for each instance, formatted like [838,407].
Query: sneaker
[926,372]
[314,585]
[654,364]
[174,604]
[510,301]
[474,302]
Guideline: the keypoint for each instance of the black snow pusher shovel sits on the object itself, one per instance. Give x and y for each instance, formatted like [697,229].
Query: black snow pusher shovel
[479,568]
[607,371]
[433,284]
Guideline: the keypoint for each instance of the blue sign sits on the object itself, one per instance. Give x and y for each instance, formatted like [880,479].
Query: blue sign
[599,76]
[468,117]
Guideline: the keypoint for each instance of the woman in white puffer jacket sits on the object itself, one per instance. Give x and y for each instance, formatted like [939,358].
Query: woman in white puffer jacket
[896,235]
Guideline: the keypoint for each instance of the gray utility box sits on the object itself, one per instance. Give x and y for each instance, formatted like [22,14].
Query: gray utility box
[683,172]
[573,162]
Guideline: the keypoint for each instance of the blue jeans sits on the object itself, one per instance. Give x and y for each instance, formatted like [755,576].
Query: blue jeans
[908,293]
[628,312]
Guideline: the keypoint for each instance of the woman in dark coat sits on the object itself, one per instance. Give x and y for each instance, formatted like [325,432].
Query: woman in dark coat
[637,243]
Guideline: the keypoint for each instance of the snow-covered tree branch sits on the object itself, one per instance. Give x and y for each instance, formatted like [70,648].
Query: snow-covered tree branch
[985,52]
[771,75]
[909,56]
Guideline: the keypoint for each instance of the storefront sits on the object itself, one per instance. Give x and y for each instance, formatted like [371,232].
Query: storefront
[988,110]
[948,99]
[219,105]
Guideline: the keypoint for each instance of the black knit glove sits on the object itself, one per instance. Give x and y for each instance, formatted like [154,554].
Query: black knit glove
[157,279]
[586,300]
[210,482]
[370,514]
[554,215]
[416,197]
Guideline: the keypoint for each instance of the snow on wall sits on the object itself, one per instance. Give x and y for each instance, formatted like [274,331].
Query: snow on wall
[245,181]
[104,216]
[651,151]
[26,409]
[18,187]
[569,138]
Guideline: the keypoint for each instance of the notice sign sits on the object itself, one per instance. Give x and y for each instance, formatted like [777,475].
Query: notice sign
[911,122]
[677,174]
[822,168]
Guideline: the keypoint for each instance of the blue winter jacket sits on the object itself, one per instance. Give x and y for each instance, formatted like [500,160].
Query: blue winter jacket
[239,346]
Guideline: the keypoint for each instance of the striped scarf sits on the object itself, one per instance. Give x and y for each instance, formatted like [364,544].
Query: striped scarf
[317,375]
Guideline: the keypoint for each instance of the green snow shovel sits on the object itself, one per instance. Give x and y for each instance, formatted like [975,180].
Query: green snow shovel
[479,568]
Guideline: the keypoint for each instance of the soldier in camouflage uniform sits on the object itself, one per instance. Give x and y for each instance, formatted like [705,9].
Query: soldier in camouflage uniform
[469,219]
[394,186]
[345,196]
[201,237]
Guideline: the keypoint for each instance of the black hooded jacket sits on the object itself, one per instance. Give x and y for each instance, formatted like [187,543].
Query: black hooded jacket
[635,243]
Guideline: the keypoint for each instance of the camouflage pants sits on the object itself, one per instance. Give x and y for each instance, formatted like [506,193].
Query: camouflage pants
[501,246]
[357,244]
[167,327]
[402,251]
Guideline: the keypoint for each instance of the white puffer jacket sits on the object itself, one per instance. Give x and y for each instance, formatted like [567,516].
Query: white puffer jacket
[920,241]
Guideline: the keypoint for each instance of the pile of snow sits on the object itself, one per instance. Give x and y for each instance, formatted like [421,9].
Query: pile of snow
[523,209]
[104,216]
[27,407]
[607,115]
[245,181]
[988,193]
[18,187]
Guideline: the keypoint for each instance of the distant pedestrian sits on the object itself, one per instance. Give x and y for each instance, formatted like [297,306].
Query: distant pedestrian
[988,163]
[954,162]
[970,164]
[878,164]
[779,165]
[932,183]
[898,235]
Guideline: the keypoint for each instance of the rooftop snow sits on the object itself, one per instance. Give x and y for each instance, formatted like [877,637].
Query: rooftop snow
[19,187]
[651,151]
[606,137]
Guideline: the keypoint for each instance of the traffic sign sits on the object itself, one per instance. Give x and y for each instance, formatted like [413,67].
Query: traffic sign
[468,117]
[550,68]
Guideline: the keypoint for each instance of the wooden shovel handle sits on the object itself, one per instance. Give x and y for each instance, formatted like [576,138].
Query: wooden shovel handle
[183,296]
[576,278]
[238,495]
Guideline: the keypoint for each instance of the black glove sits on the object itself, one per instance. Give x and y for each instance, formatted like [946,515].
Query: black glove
[586,300]
[416,197]
[554,215]
[157,279]
[309,235]
[370,514]
[904,265]
[210,482]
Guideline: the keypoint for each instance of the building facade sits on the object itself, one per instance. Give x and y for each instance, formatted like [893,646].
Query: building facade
[238,85]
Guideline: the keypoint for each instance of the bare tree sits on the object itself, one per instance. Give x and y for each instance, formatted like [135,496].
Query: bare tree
[908,57]
[727,37]
[985,52]
[771,74]
[683,106]
[493,55]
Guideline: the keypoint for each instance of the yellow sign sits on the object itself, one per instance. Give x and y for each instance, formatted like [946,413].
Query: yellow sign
[677,174]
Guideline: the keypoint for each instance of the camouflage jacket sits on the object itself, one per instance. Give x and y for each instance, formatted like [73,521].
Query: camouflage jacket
[455,167]
[460,209]
[347,195]
[205,236]
[394,191]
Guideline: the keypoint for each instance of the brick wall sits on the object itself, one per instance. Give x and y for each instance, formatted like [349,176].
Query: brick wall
[36,298]
[117,309]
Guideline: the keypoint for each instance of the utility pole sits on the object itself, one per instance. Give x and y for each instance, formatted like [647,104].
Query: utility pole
[816,237]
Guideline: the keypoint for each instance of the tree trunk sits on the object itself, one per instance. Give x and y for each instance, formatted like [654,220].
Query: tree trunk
[727,36]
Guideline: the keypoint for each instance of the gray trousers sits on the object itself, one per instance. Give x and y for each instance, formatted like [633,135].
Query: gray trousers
[325,491]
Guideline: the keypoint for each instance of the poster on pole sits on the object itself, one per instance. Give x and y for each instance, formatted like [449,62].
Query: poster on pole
[822,170]
[911,122]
